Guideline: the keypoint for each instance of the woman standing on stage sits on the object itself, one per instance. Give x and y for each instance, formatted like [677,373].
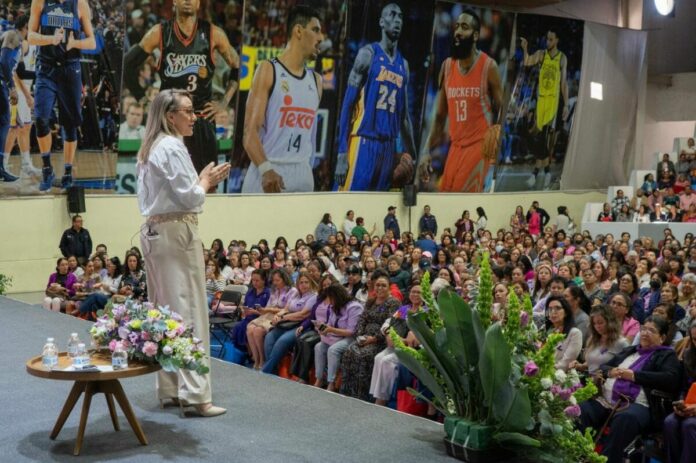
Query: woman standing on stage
[170,196]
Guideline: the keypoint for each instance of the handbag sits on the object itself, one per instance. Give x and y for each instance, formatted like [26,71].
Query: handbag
[288,324]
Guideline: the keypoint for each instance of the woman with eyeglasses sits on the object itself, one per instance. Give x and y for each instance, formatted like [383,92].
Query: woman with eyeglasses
[560,320]
[620,303]
[631,377]
[171,195]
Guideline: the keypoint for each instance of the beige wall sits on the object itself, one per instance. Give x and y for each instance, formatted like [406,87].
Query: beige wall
[33,226]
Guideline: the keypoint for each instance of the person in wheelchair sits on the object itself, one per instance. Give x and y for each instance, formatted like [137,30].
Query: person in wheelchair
[626,403]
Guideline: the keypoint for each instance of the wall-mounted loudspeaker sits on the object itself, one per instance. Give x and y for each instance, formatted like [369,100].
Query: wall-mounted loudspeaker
[76,200]
[410,195]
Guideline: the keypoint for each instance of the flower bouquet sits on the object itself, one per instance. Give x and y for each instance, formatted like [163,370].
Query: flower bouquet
[495,381]
[150,334]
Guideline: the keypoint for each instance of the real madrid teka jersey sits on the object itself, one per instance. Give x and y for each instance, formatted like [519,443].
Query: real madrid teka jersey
[288,132]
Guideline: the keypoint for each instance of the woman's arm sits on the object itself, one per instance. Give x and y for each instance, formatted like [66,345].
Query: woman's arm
[665,375]
[572,350]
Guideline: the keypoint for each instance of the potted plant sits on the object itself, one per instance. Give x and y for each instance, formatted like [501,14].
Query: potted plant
[5,282]
[493,380]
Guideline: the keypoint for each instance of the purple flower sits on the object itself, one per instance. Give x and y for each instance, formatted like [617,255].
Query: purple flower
[150,349]
[123,332]
[524,319]
[530,368]
[572,411]
[555,389]
[133,338]
[565,394]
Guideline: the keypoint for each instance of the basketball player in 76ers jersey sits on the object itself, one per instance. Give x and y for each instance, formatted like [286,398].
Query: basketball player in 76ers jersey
[470,94]
[375,112]
[279,125]
[552,84]
[187,48]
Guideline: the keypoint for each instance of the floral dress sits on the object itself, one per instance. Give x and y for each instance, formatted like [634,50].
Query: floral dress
[358,361]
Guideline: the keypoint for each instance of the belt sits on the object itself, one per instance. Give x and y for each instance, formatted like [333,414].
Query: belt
[188,217]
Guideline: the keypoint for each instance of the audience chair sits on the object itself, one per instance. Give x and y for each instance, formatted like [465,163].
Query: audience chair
[224,316]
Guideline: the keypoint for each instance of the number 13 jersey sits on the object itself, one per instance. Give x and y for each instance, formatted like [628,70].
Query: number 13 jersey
[380,107]
[468,104]
[186,63]
[288,132]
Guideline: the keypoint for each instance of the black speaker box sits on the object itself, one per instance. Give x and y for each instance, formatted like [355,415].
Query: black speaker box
[410,195]
[76,200]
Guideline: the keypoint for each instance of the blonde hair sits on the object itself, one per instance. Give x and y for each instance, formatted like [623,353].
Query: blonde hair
[157,124]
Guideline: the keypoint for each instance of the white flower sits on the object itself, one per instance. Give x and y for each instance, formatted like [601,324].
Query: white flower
[574,377]
[167,350]
[546,383]
[560,376]
[573,400]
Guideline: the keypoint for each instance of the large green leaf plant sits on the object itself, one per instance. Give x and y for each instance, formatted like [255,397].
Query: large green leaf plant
[495,373]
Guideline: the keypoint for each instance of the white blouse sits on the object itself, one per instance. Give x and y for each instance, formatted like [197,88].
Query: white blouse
[168,182]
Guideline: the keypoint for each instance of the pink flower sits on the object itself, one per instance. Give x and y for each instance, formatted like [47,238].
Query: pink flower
[565,394]
[524,319]
[530,368]
[555,389]
[572,411]
[150,349]
[145,336]
[112,345]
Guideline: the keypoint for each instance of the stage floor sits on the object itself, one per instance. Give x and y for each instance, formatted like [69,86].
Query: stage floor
[269,419]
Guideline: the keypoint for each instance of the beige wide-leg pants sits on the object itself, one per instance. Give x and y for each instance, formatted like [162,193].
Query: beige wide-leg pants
[175,269]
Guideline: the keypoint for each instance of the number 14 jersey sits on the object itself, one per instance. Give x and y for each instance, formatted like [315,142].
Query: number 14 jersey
[380,107]
[186,63]
[288,132]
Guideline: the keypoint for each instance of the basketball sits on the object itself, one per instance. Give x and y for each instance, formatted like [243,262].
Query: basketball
[403,172]
[491,142]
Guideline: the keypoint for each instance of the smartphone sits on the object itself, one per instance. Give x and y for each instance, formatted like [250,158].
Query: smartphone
[322,327]
[679,404]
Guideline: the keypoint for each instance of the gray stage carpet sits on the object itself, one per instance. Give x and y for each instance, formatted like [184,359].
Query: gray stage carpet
[269,419]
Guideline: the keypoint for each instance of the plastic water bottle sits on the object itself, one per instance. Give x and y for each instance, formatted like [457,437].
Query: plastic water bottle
[72,345]
[49,356]
[119,358]
[81,359]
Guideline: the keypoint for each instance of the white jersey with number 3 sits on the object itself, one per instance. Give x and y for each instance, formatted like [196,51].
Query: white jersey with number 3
[288,133]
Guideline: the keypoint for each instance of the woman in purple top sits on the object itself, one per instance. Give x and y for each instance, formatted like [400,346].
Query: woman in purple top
[257,329]
[307,335]
[336,334]
[280,339]
[60,287]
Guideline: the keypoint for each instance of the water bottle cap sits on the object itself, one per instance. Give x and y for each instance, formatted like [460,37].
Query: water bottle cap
[74,335]
[50,339]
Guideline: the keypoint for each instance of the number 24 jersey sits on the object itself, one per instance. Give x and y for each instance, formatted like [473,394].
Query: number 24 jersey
[382,99]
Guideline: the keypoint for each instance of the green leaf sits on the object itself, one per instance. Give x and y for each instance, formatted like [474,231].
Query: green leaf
[518,414]
[456,315]
[495,364]
[512,439]
[441,359]
[422,373]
